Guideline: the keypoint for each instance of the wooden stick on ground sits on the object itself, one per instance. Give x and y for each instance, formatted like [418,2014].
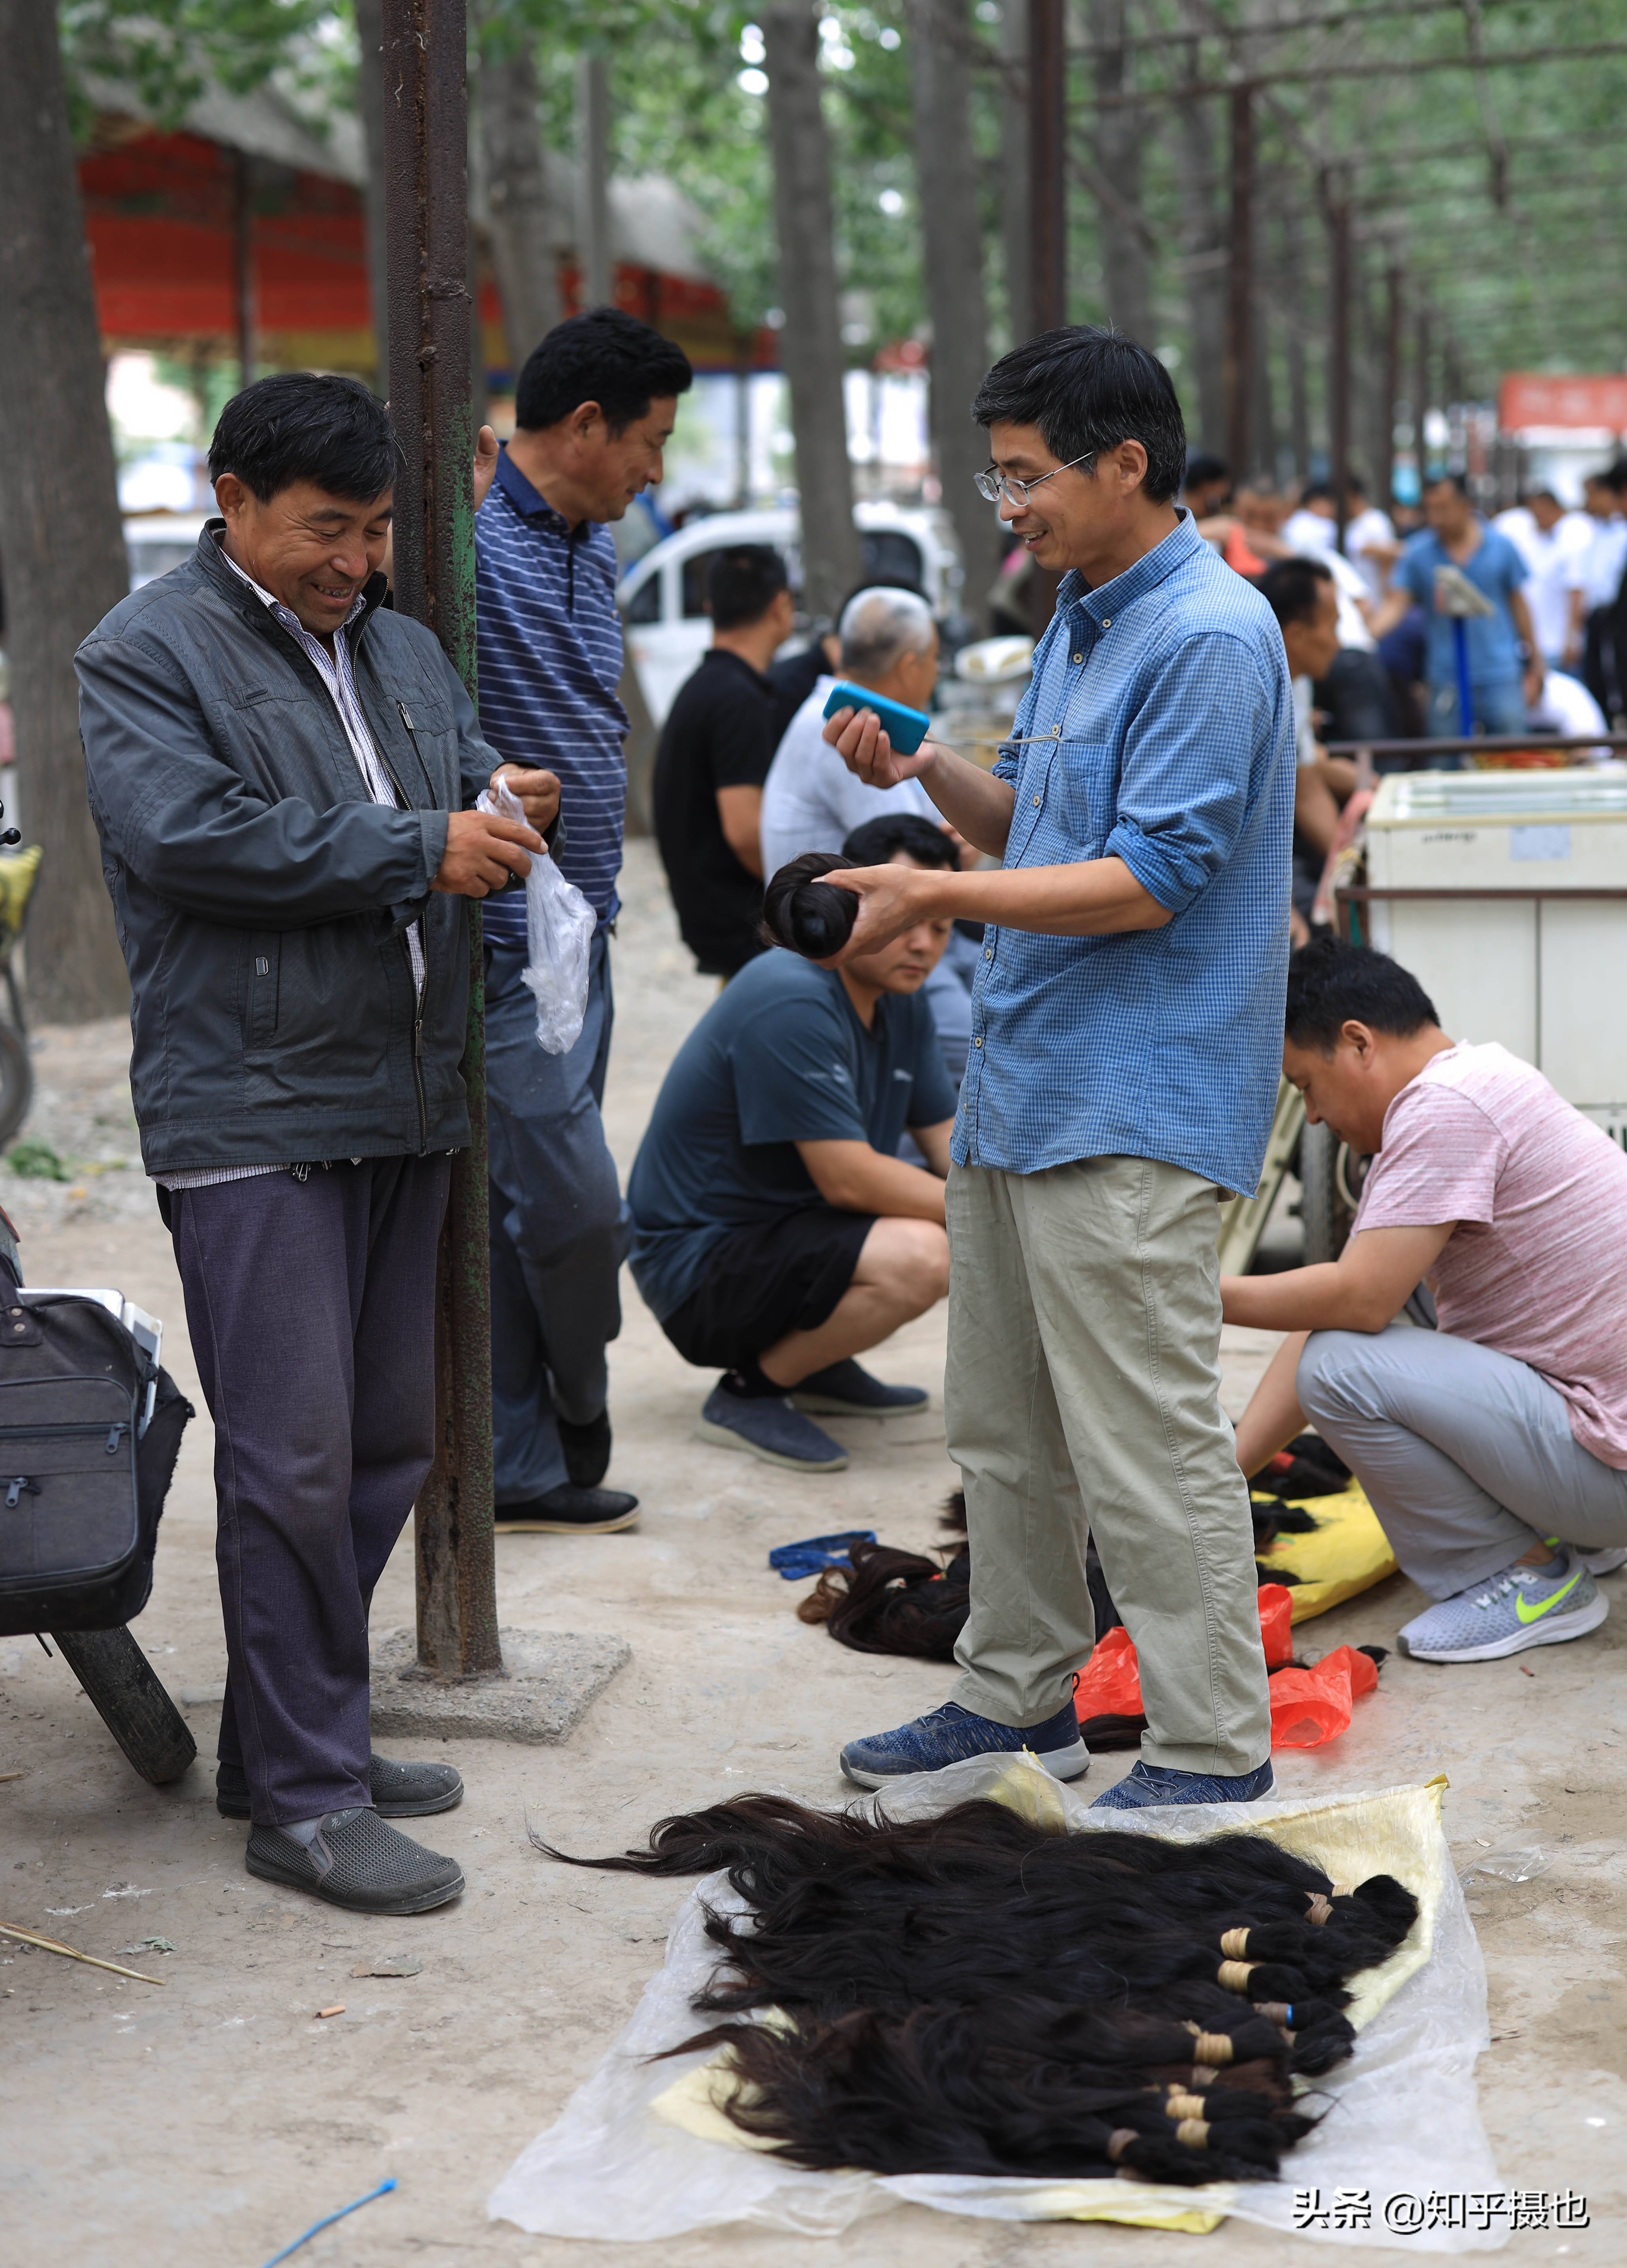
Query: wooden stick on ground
[54,1945]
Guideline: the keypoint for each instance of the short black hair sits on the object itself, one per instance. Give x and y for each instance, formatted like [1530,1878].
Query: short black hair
[742,583]
[874,841]
[1293,588]
[1312,490]
[1331,983]
[1201,469]
[1460,481]
[1088,389]
[606,357]
[296,425]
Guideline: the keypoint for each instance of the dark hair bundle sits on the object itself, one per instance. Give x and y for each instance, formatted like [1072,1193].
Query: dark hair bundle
[973,1993]
[807,915]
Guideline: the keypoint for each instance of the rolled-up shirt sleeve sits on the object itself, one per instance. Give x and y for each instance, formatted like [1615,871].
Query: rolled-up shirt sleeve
[1188,760]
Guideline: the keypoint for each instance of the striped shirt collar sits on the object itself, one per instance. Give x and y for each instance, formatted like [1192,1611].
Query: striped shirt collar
[1107,599]
[529,501]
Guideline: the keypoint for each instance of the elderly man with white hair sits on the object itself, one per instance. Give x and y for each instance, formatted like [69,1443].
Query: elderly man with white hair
[810,800]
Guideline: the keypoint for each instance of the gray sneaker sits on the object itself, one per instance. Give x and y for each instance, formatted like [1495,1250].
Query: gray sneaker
[359,1860]
[766,1426]
[1508,1612]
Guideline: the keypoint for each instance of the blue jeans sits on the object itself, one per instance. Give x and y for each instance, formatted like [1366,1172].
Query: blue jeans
[1498,708]
[559,1229]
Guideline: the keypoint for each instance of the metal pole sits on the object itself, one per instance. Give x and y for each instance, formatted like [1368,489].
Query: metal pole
[1239,305]
[1338,197]
[594,158]
[1384,472]
[1048,73]
[427,203]
[243,263]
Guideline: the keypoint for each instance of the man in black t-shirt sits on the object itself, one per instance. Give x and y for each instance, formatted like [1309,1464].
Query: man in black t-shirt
[716,748]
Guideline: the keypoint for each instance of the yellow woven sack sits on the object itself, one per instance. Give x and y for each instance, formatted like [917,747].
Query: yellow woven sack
[1347,1552]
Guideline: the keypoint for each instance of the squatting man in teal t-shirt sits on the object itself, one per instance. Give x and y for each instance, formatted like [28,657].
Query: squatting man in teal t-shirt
[777,1233]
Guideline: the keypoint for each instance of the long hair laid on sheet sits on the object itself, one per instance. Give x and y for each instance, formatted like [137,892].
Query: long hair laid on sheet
[975,1992]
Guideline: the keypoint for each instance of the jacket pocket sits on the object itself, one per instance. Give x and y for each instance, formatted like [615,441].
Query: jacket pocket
[265,976]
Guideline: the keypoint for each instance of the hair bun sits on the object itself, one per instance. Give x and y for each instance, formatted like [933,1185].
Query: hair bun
[806,914]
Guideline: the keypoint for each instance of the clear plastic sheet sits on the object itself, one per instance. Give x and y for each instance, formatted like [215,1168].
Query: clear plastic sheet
[1402,2119]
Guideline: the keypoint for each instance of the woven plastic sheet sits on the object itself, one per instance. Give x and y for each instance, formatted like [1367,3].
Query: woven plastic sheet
[642,2151]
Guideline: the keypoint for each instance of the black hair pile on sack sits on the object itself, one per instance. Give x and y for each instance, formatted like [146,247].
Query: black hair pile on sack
[974,1993]
[806,914]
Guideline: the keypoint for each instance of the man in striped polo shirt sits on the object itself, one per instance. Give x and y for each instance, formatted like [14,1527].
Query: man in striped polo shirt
[594,407]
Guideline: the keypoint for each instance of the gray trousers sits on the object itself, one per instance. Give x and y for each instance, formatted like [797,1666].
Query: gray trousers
[1082,1394]
[1466,1456]
[558,1224]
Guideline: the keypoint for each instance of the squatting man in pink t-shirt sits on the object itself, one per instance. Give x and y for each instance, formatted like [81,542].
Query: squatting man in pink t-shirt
[1493,1449]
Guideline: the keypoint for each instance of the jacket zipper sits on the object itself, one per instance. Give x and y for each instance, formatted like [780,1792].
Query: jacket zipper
[419,998]
[119,1426]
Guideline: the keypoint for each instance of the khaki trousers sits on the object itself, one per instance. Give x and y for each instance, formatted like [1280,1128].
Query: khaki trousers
[1082,1394]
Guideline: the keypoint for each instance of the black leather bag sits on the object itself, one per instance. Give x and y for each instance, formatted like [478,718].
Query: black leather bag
[90,1429]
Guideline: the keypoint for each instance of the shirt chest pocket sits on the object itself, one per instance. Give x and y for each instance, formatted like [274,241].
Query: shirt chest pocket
[1074,800]
[429,732]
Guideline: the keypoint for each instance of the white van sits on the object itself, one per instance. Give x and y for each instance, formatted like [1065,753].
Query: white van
[663,595]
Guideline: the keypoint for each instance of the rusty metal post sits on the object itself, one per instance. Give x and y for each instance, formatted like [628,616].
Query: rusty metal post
[1338,205]
[1239,348]
[1048,180]
[427,206]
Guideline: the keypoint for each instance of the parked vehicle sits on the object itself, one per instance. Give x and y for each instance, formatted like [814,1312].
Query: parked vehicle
[663,595]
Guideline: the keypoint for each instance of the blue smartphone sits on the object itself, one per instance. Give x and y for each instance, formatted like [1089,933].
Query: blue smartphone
[905,728]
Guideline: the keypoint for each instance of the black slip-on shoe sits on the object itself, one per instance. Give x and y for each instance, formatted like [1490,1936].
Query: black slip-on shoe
[587,1449]
[399,1791]
[568,1510]
[359,1861]
[846,1389]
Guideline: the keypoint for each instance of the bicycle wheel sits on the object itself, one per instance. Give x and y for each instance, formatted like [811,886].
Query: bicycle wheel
[16,1082]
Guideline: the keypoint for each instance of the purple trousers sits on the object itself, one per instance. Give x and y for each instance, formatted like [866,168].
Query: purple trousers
[312,1310]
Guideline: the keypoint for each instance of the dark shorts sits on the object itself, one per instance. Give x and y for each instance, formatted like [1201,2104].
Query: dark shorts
[767,1280]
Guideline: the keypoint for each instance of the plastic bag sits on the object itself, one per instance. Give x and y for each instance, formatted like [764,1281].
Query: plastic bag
[1109,1684]
[1507,1866]
[559,931]
[1310,1706]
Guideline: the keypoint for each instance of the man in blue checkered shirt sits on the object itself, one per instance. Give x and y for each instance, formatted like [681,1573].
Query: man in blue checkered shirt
[593,409]
[1126,1036]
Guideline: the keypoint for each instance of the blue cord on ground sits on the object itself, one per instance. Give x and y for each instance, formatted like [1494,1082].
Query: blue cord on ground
[317,2226]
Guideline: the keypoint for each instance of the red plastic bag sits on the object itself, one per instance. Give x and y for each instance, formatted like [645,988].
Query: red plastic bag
[1277,1623]
[1109,1684]
[1312,1707]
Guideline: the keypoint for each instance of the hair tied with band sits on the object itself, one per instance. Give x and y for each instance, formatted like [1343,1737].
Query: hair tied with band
[806,914]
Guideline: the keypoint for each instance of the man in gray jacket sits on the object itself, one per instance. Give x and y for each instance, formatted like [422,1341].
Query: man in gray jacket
[280,770]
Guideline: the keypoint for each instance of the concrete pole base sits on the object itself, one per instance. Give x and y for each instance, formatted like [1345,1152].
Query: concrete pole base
[550,1680]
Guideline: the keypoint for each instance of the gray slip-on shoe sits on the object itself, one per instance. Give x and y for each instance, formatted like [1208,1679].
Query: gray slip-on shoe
[846,1389]
[357,1860]
[399,1791]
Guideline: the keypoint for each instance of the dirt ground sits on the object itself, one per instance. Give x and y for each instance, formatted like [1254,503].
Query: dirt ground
[206,2123]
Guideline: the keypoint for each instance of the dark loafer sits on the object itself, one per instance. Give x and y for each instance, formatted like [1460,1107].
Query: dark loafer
[569,1510]
[359,1861]
[399,1791]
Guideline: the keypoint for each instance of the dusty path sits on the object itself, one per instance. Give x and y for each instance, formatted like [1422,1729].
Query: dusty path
[204,2125]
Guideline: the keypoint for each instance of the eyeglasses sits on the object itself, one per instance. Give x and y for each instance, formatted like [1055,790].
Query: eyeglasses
[993,485]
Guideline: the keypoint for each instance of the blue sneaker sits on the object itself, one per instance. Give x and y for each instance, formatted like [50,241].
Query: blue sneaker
[768,1426]
[950,1734]
[1146,1784]
[846,1389]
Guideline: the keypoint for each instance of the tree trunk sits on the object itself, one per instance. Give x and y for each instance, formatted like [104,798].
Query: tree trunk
[1120,133]
[1015,245]
[61,539]
[940,32]
[1292,272]
[1264,418]
[1203,247]
[522,245]
[370,39]
[812,337]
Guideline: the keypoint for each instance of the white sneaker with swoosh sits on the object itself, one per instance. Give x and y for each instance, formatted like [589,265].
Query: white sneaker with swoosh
[1521,1606]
